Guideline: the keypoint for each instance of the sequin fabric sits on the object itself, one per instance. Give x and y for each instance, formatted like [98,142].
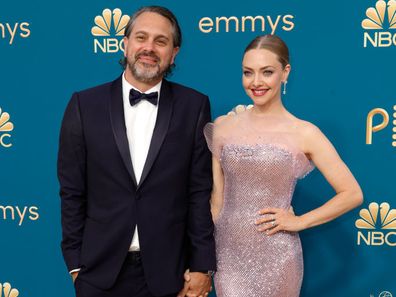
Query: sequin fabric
[260,170]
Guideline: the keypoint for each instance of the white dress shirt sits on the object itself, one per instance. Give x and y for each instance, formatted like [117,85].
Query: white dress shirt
[139,121]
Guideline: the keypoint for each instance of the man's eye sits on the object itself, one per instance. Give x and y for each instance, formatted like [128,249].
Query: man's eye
[161,42]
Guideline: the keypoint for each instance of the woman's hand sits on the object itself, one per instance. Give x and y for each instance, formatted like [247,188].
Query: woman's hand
[279,219]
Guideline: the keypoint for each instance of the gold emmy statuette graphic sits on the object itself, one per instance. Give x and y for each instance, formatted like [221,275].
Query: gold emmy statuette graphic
[103,23]
[6,291]
[5,126]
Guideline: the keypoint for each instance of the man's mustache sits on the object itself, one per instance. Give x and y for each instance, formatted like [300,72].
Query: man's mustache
[147,54]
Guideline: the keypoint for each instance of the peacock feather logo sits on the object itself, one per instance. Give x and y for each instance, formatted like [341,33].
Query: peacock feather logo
[381,13]
[6,291]
[377,216]
[5,124]
[103,23]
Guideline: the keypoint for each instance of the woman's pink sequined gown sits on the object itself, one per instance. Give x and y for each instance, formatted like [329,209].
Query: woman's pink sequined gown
[261,164]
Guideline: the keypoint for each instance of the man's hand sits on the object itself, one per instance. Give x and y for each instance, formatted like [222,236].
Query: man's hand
[200,284]
[74,276]
[196,284]
[187,279]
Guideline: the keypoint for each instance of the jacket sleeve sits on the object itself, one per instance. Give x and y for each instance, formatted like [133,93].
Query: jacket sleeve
[71,175]
[200,224]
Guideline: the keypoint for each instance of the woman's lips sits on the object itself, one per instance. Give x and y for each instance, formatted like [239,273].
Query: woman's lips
[259,92]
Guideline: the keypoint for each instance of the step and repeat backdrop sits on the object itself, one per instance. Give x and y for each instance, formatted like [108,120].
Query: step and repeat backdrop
[343,78]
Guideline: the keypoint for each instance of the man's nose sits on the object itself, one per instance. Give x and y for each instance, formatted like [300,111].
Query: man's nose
[149,45]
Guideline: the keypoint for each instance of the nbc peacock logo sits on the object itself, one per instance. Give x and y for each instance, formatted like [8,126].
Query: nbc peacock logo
[375,224]
[7,291]
[5,127]
[380,22]
[109,29]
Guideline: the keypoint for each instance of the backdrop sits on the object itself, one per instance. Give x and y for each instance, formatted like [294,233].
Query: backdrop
[343,74]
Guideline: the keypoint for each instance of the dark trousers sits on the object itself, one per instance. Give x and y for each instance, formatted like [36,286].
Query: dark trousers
[130,282]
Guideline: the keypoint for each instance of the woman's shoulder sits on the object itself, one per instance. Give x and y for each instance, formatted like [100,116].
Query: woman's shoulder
[221,119]
[305,127]
[222,126]
[226,120]
[309,134]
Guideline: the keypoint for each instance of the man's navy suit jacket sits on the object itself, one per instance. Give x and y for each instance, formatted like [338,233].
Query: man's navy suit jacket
[101,202]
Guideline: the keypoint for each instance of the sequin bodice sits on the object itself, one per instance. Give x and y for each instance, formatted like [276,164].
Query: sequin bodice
[260,170]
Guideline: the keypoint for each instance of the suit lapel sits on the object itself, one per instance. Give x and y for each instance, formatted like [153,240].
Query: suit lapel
[161,127]
[118,124]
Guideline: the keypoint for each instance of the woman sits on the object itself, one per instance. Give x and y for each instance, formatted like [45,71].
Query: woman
[258,155]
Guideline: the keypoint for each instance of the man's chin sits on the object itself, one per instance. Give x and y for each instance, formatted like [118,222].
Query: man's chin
[146,73]
[147,78]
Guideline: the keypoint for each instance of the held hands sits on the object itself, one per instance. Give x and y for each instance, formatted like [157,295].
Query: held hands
[274,220]
[196,284]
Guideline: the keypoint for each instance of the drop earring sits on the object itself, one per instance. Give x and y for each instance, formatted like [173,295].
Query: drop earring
[284,87]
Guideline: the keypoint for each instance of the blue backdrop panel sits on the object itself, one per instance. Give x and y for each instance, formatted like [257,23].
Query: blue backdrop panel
[342,57]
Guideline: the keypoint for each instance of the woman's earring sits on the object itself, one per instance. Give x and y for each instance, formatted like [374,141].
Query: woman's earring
[284,87]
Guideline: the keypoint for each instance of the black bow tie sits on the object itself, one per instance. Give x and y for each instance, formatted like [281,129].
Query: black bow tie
[135,97]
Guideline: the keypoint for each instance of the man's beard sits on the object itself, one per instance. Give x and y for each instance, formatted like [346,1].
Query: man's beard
[145,72]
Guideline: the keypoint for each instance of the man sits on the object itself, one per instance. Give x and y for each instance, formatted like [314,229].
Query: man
[135,175]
